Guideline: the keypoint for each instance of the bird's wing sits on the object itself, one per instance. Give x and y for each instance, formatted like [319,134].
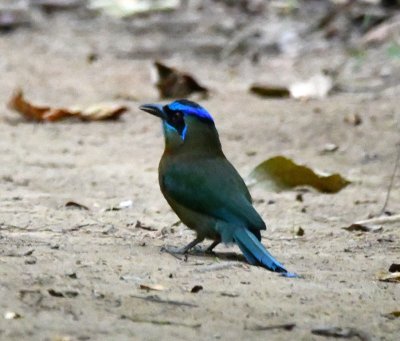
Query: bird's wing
[213,187]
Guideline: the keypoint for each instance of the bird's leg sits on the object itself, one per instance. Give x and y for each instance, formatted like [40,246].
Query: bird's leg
[191,245]
[212,246]
[183,250]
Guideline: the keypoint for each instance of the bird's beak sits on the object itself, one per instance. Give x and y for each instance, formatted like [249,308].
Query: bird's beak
[154,109]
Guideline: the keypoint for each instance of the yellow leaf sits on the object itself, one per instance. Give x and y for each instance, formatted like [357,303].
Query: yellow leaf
[280,173]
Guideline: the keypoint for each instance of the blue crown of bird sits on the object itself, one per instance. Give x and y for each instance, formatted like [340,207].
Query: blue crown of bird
[203,188]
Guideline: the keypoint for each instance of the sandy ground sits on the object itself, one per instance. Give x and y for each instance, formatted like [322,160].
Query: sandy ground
[75,274]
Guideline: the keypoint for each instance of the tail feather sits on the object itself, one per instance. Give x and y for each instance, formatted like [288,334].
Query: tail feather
[255,253]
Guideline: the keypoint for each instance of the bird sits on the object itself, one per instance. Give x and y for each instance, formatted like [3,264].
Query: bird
[203,188]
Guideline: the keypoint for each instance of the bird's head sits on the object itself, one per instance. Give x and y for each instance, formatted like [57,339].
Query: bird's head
[183,120]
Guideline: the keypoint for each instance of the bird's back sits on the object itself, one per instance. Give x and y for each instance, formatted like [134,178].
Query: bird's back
[208,184]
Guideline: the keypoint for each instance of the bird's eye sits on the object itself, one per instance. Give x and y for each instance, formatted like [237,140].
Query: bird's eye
[175,119]
[178,115]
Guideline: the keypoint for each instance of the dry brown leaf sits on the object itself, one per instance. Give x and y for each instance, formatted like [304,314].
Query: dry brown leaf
[99,112]
[359,227]
[11,315]
[329,148]
[339,332]
[38,113]
[58,4]
[196,289]
[393,277]
[273,91]
[155,287]
[393,314]
[172,83]
[299,231]
[74,204]
[353,119]
[394,267]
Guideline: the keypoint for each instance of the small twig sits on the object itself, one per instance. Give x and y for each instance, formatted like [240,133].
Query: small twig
[161,322]
[339,332]
[380,220]
[396,165]
[173,254]
[4,226]
[217,266]
[156,299]
[282,238]
[139,225]
[285,326]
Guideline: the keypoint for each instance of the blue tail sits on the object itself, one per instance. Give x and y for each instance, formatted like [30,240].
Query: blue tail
[256,254]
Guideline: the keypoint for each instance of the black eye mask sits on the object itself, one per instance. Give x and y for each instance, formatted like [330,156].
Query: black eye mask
[175,119]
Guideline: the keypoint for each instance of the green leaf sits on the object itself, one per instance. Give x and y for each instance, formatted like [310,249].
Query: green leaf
[280,173]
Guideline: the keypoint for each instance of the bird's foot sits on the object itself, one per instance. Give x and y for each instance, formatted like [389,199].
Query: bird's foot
[209,250]
[183,250]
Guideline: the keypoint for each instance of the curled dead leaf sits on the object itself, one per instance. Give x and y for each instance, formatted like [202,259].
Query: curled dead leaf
[51,5]
[394,267]
[155,287]
[196,289]
[393,314]
[11,315]
[38,113]
[339,332]
[273,91]
[172,83]
[353,119]
[329,148]
[280,173]
[359,227]
[299,231]
[393,277]
[74,204]
[99,112]
[63,293]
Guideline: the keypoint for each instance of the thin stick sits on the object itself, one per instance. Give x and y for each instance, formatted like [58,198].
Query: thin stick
[156,299]
[380,220]
[391,182]
[160,322]
[285,326]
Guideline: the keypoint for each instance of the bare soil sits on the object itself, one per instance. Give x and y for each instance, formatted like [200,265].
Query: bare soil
[75,274]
